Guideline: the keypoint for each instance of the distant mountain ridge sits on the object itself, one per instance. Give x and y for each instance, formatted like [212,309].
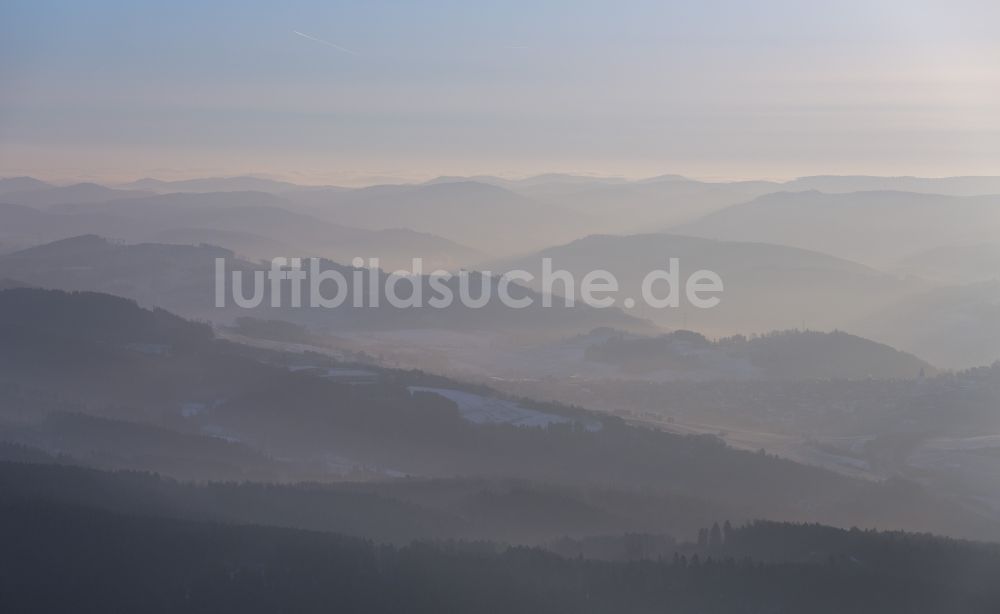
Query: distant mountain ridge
[876,228]
[492,218]
[955,264]
[218,184]
[22,184]
[954,326]
[45,196]
[951,186]
[255,224]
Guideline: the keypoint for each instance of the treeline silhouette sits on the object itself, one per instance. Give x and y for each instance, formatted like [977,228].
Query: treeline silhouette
[64,558]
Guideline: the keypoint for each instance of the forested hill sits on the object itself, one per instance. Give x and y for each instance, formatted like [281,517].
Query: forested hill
[59,558]
[161,371]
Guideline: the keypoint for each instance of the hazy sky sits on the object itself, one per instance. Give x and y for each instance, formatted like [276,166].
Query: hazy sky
[332,91]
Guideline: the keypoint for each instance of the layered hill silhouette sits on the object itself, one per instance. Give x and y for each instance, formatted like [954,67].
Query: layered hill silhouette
[637,206]
[21,184]
[491,218]
[215,184]
[182,278]
[957,326]
[875,228]
[955,264]
[44,196]
[155,368]
[254,224]
[766,286]
[951,186]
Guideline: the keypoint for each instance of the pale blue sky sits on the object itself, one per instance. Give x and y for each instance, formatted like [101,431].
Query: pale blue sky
[711,89]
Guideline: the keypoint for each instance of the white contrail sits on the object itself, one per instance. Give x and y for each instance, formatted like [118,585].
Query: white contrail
[323,42]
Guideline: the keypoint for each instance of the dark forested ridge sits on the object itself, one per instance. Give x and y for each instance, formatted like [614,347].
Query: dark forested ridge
[61,558]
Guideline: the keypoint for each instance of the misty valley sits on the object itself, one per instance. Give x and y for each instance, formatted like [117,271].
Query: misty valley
[371,457]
